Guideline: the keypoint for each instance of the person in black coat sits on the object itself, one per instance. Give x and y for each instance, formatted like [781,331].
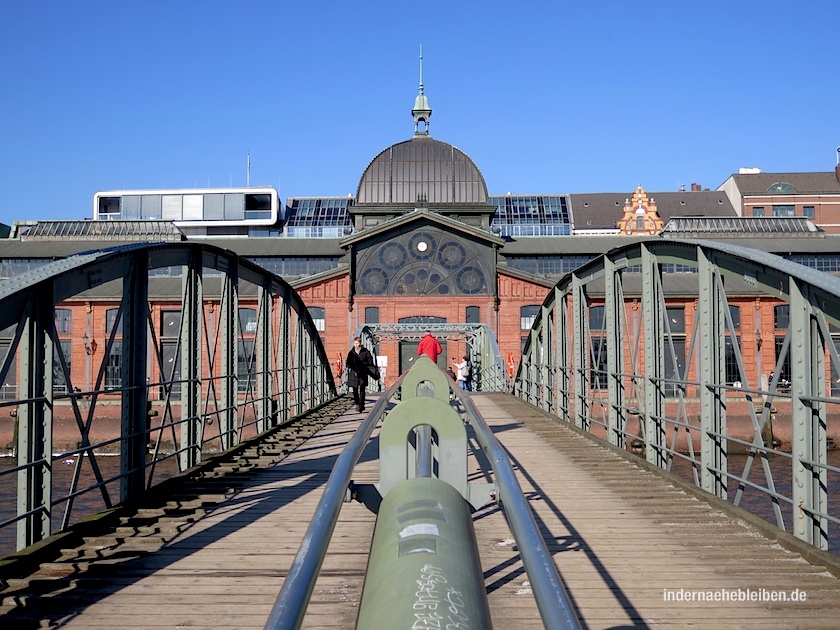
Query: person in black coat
[359,366]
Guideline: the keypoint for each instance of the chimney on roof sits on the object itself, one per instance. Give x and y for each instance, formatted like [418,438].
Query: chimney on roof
[837,168]
[696,188]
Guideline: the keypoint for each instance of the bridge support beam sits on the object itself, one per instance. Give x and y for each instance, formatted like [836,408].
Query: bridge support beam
[135,334]
[34,446]
[614,330]
[653,306]
[712,370]
[808,387]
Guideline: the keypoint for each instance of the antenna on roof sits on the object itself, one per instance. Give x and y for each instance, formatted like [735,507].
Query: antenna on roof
[248,176]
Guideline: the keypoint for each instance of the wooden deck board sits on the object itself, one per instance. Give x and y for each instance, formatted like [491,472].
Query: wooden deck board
[619,535]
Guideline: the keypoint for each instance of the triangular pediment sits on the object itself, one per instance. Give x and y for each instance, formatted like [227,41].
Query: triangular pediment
[421,217]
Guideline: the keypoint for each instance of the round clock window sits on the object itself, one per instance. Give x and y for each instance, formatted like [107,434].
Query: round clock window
[422,246]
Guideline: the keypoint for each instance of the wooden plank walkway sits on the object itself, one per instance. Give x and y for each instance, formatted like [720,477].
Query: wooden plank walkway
[620,536]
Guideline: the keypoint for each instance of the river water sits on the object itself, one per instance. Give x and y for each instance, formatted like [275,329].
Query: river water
[83,505]
[92,502]
[759,503]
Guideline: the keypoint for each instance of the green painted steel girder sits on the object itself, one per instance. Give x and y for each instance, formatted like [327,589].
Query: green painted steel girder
[425,379]
[396,457]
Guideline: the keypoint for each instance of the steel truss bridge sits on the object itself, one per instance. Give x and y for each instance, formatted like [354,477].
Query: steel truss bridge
[604,356]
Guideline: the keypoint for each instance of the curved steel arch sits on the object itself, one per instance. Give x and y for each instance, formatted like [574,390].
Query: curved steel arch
[221,384]
[600,371]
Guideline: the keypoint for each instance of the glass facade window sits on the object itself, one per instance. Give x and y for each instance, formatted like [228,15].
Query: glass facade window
[171,367]
[597,318]
[264,232]
[675,365]
[63,321]
[758,211]
[318,317]
[783,210]
[59,380]
[248,320]
[598,372]
[245,365]
[473,315]
[527,315]
[835,369]
[733,373]
[532,215]
[674,268]
[299,266]
[371,314]
[735,315]
[111,319]
[113,366]
[781,317]
[784,373]
[257,206]
[8,388]
[231,206]
[829,263]
[547,265]
[808,211]
[170,323]
[676,319]
[325,217]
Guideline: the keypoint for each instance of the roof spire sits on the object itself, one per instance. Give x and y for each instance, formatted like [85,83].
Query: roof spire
[421,112]
[421,68]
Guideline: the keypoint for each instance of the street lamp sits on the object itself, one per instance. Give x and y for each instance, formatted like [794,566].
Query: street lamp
[90,345]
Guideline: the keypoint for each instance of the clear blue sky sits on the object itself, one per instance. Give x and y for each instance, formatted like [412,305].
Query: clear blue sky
[546,97]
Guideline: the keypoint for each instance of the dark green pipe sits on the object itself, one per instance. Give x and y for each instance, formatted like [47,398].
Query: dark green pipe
[424,570]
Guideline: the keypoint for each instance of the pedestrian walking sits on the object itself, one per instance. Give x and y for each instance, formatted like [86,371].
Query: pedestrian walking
[430,346]
[360,365]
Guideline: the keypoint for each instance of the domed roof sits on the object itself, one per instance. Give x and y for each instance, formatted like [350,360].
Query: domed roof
[422,169]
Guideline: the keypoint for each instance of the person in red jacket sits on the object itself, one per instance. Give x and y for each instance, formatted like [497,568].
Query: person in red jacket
[430,346]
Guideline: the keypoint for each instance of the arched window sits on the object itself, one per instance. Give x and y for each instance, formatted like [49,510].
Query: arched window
[781,187]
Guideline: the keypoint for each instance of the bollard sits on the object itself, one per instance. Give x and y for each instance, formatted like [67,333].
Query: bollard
[424,569]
